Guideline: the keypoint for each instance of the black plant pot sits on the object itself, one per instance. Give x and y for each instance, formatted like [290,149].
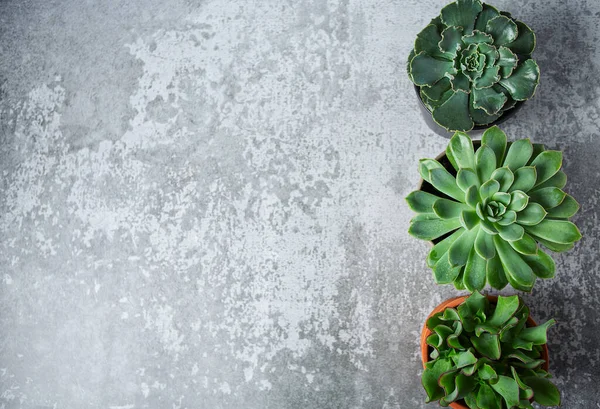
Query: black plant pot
[477,129]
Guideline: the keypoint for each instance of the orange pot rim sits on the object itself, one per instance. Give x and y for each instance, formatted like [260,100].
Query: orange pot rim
[454,302]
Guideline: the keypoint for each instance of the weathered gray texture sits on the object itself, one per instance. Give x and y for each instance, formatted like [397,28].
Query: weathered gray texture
[202,202]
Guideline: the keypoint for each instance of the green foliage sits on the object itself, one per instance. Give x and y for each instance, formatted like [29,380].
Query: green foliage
[472,64]
[485,354]
[490,218]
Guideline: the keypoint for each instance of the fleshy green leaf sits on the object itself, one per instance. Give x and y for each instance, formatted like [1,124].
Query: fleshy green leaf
[436,91]
[526,245]
[459,251]
[518,271]
[469,219]
[542,264]
[454,113]
[487,345]
[463,359]
[508,389]
[421,202]
[544,391]
[508,218]
[472,197]
[426,166]
[495,138]
[479,116]
[443,272]
[548,197]
[547,164]
[505,177]
[449,209]
[518,154]
[441,248]
[531,215]
[443,181]
[525,178]
[484,244]
[461,13]
[450,42]
[566,209]
[523,82]
[461,149]
[495,273]
[518,201]
[556,247]
[427,70]
[557,231]
[430,229]
[559,180]
[506,307]
[487,398]
[474,274]
[427,42]
[488,13]
[466,178]
[461,82]
[430,377]
[537,334]
[507,61]
[489,188]
[488,99]
[525,42]
[477,37]
[489,77]
[485,162]
[511,232]
[502,29]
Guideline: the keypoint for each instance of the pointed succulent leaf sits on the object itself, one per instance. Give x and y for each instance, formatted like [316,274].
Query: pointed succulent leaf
[487,398]
[566,209]
[426,166]
[531,215]
[502,29]
[427,70]
[525,42]
[557,231]
[506,307]
[485,162]
[559,180]
[472,197]
[526,245]
[454,113]
[547,164]
[469,219]
[484,245]
[517,270]
[495,273]
[474,274]
[421,202]
[511,232]
[495,138]
[518,201]
[461,149]
[525,178]
[489,188]
[542,264]
[518,154]
[487,99]
[544,392]
[466,178]
[430,229]
[463,359]
[556,247]
[441,248]
[449,209]
[537,334]
[505,177]
[443,181]
[508,218]
[548,197]
[462,13]
[459,251]
[444,272]
[523,82]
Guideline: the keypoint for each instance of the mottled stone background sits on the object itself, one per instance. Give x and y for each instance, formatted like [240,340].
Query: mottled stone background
[202,202]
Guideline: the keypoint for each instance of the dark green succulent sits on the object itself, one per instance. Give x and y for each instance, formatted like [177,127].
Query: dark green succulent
[472,64]
[489,210]
[485,354]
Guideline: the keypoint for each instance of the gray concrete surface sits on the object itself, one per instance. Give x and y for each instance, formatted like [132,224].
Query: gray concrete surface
[201,203]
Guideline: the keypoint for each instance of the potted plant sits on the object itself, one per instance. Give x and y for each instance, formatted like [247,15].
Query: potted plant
[472,67]
[486,353]
[488,211]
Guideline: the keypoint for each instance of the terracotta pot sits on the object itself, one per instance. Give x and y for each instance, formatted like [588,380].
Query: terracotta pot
[455,302]
[476,129]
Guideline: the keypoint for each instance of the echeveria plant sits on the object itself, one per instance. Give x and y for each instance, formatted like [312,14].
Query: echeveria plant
[472,64]
[489,210]
[485,354]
